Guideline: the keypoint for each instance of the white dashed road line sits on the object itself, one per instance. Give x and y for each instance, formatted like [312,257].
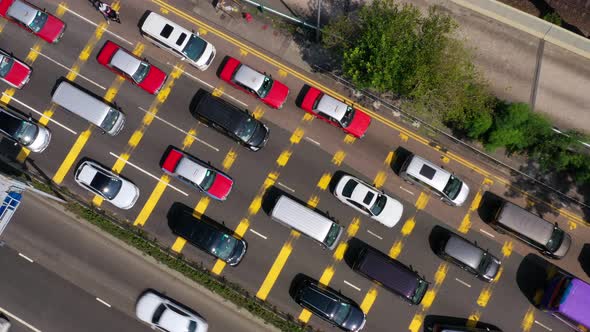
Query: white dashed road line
[543,326]
[406,190]
[25,257]
[288,188]
[487,233]
[351,285]
[41,114]
[68,69]
[92,23]
[103,302]
[375,235]
[463,282]
[313,141]
[255,232]
[16,318]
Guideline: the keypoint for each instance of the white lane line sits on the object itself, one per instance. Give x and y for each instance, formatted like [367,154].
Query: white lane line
[181,130]
[406,190]
[206,84]
[375,235]
[92,23]
[41,114]
[7,313]
[103,302]
[68,69]
[543,326]
[463,282]
[351,285]
[25,257]
[288,188]
[147,173]
[313,141]
[255,232]
[487,233]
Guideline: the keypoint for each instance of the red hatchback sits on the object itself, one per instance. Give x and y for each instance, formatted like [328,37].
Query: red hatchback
[271,92]
[33,19]
[197,173]
[336,112]
[13,71]
[137,71]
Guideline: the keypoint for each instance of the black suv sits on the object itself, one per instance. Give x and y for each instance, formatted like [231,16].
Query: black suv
[207,235]
[230,120]
[328,304]
[467,255]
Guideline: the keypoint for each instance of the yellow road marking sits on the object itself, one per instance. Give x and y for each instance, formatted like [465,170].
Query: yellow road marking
[7,95]
[338,157]
[116,5]
[572,225]
[305,315]
[33,53]
[428,299]
[340,250]
[308,117]
[396,249]
[440,274]
[229,159]
[282,73]
[499,274]
[313,201]
[297,135]
[507,248]
[473,319]
[61,9]
[150,204]
[327,275]
[353,227]
[47,114]
[65,166]
[416,323]
[528,320]
[201,206]
[403,137]
[242,227]
[97,200]
[188,139]
[284,158]
[218,267]
[422,201]
[445,159]
[324,181]
[465,224]
[476,201]
[380,179]
[135,138]
[203,31]
[120,163]
[178,244]
[255,205]
[139,47]
[23,154]
[484,297]
[258,112]
[275,270]
[270,180]
[408,226]
[243,52]
[217,92]
[349,139]
[389,158]
[369,300]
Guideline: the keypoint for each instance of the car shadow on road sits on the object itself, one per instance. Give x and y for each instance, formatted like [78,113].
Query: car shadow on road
[532,275]
[431,320]
[584,258]
[355,246]
[299,99]
[399,157]
[489,207]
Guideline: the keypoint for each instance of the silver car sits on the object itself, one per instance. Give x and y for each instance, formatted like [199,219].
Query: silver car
[369,200]
[108,185]
[161,313]
[23,131]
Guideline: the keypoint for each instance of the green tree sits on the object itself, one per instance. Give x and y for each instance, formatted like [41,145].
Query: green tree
[564,153]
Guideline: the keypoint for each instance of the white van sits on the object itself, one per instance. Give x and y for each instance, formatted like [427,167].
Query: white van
[307,221]
[178,40]
[94,110]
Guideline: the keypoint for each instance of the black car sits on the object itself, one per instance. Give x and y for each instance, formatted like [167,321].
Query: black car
[23,131]
[467,255]
[229,120]
[328,304]
[208,235]
[455,328]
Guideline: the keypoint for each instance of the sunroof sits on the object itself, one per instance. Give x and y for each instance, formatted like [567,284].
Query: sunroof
[427,172]
[368,198]
[181,39]
[166,31]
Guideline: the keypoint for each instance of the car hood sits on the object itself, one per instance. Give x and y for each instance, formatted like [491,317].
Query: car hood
[221,187]
[259,138]
[52,29]
[127,195]
[355,321]
[154,80]
[564,247]
[238,253]
[202,61]
[18,74]
[462,196]
[391,214]
[41,141]
[359,124]
[492,270]
[277,95]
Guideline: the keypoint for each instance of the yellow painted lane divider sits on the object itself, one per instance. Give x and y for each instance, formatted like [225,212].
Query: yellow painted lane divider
[72,155]
[276,268]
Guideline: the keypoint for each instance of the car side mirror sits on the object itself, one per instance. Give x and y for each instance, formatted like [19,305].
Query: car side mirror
[103,132]
[15,143]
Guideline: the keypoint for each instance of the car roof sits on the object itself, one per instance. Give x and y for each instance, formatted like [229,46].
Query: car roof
[249,77]
[22,11]
[525,222]
[464,251]
[428,172]
[87,173]
[221,112]
[363,194]
[332,107]
[319,299]
[166,30]
[191,170]
[8,122]
[173,320]
[125,61]
[193,229]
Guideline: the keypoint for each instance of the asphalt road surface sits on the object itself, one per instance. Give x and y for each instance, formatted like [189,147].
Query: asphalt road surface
[302,158]
[61,274]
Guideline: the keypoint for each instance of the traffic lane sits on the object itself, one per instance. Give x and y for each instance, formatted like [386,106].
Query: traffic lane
[118,274]
[22,280]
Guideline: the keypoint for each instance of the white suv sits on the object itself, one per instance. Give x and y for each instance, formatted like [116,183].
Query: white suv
[183,43]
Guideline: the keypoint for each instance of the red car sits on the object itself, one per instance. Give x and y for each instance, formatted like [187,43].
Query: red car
[271,92]
[336,112]
[197,173]
[137,71]
[33,19]
[14,71]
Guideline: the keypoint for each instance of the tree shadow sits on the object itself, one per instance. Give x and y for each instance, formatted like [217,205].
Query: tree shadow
[545,8]
[489,206]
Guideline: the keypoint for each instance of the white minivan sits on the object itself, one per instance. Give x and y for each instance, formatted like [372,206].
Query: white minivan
[162,32]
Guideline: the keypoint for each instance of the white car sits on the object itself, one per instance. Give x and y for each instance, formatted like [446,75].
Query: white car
[167,316]
[24,131]
[368,200]
[110,186]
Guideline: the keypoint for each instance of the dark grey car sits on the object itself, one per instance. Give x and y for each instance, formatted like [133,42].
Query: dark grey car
[467,255]
[328,304]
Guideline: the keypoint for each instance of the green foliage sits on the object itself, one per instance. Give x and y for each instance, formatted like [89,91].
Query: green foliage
[564,154]
[554,18]
[517,128]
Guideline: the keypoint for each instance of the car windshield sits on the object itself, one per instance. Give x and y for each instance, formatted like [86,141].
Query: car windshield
[247,129]
[341,313]
[5,65]
[39,21]
[109,121]
[141,72]
[158,313]
[348,116]
[208,180]
[192,326]
[485,263]
[377,208]
[224,246]
[453,187]
[26,133]
[108,186]
[349,188]
[265,87]
[420,291]
[332,235]
[555,240]
[194,48]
